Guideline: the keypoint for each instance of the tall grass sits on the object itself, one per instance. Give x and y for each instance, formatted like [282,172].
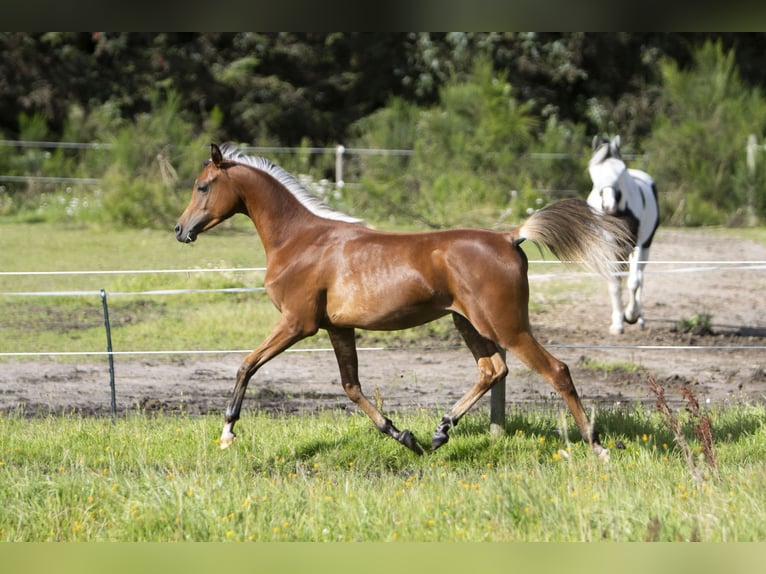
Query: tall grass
[333,477]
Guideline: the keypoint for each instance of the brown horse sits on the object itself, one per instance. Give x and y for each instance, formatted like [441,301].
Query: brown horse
[327,270]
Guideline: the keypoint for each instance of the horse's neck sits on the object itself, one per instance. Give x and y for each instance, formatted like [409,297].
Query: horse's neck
[608,174]
[275,211]
[628,186]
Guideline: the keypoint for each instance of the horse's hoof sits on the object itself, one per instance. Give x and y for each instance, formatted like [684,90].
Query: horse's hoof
[408,440]
[439,439]
[601,452]
[227,439]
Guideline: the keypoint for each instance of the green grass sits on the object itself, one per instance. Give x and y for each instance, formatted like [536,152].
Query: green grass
[607,367]
[333,477]
[139,322]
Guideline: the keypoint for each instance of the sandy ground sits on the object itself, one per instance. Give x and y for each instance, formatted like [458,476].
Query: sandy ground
[435,378]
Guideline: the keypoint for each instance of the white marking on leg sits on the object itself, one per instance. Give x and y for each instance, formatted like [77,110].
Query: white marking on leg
[615,288]
[227,436]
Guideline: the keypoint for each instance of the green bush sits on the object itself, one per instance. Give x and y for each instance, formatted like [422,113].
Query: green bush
[478,156]
[146,168]
[470,163]
[697,147]
[155,160]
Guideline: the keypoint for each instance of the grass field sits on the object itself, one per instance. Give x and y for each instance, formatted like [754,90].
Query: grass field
[329,476]
[333,477]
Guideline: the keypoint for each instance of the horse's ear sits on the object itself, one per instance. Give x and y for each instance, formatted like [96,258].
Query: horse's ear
[616,143]
[216,155]
[596,142]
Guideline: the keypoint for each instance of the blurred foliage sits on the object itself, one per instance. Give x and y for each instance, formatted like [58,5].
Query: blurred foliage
[470,163]
[498,123]
[697,147]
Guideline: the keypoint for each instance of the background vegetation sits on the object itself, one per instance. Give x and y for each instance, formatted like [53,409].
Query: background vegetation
[476,110]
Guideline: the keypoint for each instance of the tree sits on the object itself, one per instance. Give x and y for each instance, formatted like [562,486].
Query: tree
[697,145]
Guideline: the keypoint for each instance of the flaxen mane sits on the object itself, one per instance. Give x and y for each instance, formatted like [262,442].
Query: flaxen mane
[232,153]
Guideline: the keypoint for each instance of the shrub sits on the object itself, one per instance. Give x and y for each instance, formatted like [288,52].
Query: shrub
[155,160]
[697,147]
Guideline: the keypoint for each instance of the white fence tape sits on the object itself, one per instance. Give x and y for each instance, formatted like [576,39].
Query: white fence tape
[679,267]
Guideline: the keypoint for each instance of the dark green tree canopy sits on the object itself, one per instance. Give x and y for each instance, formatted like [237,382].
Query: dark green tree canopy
[293,86]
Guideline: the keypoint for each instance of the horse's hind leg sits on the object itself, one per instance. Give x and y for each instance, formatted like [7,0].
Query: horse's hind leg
[532,354]
[345,352]
[491,366]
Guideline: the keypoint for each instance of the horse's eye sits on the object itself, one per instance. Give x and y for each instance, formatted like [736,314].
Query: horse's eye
[203,187]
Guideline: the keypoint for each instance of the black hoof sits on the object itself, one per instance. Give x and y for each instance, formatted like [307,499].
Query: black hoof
[440,438]
[408,440]
[629,322]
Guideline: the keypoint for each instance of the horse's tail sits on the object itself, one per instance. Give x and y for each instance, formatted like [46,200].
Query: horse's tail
[576,233]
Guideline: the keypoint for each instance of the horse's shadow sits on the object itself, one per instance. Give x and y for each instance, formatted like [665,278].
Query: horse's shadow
[473,440]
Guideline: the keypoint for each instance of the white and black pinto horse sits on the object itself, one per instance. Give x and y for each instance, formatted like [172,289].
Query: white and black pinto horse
[631,195]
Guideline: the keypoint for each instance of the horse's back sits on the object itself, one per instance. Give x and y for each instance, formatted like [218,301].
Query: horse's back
[641,176]
[649,219]
[382,281]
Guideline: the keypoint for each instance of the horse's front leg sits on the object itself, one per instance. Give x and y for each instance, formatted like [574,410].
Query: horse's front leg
[285,334]
[615,295]
[633,311]
[344,344]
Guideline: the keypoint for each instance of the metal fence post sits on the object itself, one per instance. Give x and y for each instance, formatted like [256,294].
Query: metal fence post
[752,148]
[339,151]
[110,355]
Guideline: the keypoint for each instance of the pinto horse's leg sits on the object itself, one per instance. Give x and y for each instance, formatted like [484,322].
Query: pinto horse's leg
[618,315]
[285,334]
[344,344]
[534,355]
[491,366]
[633,311]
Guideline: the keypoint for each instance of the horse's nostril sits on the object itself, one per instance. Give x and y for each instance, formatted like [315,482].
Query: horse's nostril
[178,229]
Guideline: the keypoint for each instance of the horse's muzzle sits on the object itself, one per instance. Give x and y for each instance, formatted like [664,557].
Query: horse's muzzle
[185,236]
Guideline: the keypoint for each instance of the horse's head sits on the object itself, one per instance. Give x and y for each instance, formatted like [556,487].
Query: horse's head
[607,147]
[213,199]
[607,171]
[611,197]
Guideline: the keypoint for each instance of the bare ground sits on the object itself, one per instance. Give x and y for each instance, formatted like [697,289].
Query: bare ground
[434,378]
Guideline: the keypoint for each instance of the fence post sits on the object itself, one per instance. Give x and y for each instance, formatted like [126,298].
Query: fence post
[339,151]
[497,405]
[752,148]
[110,356]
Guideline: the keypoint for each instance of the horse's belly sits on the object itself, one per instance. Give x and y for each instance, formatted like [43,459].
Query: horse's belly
[375,320]
[385,312]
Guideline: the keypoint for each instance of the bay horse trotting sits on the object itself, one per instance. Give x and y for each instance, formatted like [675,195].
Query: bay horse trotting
[327,270]
[630,195]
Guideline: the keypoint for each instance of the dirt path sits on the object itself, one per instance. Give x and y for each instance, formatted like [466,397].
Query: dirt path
[435,378]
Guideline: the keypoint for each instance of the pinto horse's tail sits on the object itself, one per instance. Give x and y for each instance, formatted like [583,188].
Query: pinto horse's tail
[576,233]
